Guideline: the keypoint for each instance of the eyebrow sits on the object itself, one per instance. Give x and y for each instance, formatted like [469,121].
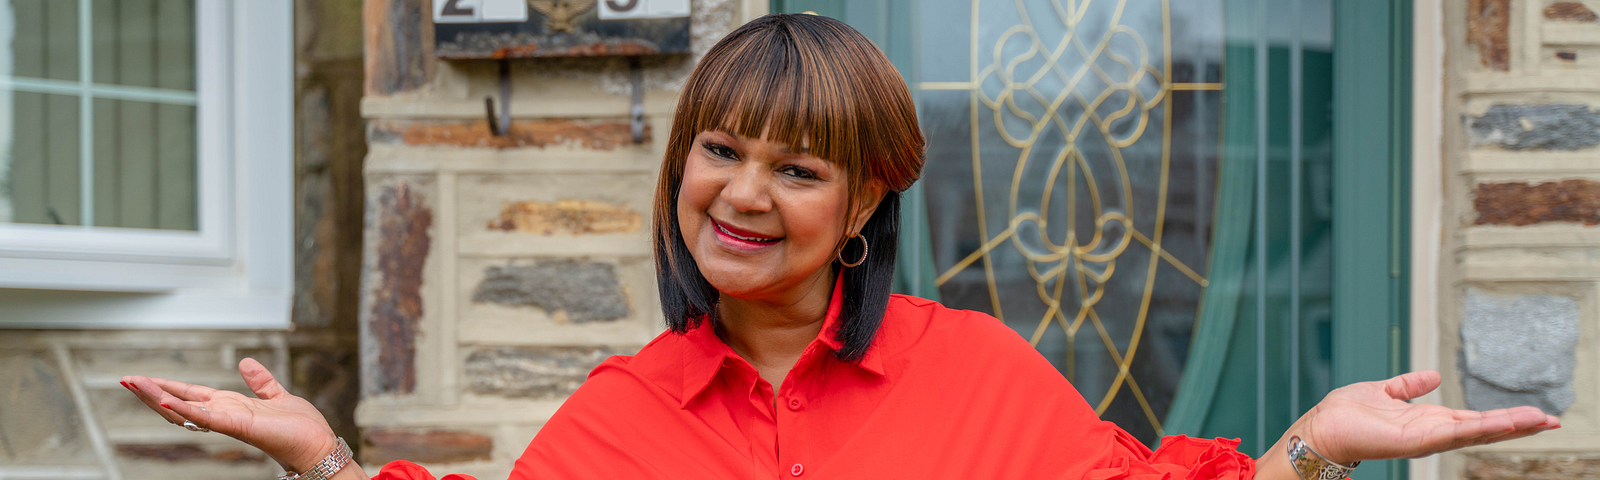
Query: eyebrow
[784,148]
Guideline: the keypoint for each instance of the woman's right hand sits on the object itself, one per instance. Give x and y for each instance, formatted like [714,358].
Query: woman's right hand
[284,426]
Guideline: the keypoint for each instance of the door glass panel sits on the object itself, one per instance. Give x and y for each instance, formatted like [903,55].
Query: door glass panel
[1072,166]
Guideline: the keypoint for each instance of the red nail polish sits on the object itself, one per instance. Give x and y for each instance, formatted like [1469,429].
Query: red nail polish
[134,387]
[124,384]
[168,407]
[1557,427]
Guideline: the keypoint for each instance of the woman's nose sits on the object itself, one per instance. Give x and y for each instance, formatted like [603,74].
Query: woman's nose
[747,191]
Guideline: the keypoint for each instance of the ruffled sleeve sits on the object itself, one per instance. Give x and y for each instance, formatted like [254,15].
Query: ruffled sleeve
[1178,457]
[403,470]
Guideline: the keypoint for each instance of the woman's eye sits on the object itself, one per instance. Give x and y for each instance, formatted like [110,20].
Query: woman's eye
[719,150]
[798,172]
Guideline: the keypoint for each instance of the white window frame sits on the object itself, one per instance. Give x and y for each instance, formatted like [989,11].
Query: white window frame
[236,271]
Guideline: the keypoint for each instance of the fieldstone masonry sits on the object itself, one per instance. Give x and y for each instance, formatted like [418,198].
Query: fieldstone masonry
[500,270]
[577,291]
[1519,350]
[1519,261]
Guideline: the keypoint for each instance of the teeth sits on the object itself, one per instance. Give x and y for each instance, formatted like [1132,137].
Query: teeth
[747,239]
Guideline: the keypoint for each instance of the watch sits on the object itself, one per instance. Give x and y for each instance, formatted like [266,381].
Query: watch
[326,468]
[1311,465]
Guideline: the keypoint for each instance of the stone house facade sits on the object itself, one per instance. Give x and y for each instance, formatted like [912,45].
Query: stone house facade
[498,270]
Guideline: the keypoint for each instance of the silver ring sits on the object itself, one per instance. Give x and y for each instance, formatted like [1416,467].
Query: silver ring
[201,408]
[194,428]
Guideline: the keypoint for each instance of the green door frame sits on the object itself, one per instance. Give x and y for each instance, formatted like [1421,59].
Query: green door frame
[1371,161]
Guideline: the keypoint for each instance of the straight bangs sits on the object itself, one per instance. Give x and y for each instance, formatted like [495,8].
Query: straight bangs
[819,87]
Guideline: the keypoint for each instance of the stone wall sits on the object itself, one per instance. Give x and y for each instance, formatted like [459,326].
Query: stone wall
[498,270]
[1520,268]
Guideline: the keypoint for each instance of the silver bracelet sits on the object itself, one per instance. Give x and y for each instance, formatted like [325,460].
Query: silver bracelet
[327,467]
[1315,466]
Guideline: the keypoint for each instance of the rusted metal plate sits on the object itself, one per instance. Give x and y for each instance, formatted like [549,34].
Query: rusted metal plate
[561,28]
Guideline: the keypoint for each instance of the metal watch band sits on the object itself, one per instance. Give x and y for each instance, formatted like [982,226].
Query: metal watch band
[326,468]
[1314,466]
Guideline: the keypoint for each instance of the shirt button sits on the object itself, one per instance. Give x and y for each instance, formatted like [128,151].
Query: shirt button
[794,404]
[797,469]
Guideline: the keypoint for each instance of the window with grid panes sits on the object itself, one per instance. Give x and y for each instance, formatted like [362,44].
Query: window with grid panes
[99,107]
[146,163]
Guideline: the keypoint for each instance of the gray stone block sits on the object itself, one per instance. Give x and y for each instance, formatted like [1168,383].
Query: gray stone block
[1518,350]
[585,291]
[532,372]
[1536,127]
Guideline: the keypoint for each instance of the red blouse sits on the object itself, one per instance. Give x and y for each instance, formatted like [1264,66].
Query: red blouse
[941,394]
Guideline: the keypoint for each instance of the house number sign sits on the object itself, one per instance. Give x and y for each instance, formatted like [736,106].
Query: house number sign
[505,29]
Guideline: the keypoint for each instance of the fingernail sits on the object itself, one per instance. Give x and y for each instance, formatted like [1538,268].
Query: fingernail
[125,385]
[1557,427]
[168,407]
[134,387]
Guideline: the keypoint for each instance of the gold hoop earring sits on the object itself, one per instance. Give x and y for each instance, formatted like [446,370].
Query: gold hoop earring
[863,252]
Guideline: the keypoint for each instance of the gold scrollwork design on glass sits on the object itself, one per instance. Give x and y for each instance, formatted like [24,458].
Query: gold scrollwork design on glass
[1025,93]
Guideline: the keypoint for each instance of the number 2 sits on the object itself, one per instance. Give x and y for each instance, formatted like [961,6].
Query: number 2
[451,9]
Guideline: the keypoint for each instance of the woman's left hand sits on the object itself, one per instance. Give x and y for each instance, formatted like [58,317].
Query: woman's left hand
[1372,420]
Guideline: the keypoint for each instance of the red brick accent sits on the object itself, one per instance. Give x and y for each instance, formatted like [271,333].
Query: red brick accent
[1489,26]
[1570,11]
[1523,203]
[187,452]
[403,243]
[438,446]
[595,135]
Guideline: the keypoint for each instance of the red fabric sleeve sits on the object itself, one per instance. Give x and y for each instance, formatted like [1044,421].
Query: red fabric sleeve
[403,470]
[1179,457]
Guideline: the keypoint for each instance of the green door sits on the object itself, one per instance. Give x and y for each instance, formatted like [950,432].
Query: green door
[1191,208]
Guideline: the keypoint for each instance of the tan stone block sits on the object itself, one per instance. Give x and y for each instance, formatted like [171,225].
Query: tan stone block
[1571,57]
[1531,467]
[39,408]
[402,159]
[533,133]
[559,214]
[383,445]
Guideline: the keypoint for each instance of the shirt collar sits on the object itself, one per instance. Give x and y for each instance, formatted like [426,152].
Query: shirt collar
[704,355]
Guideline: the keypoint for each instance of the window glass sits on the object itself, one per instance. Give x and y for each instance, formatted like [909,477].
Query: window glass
[97,127]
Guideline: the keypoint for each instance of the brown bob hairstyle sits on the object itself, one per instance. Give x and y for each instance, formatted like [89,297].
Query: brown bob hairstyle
[803,80]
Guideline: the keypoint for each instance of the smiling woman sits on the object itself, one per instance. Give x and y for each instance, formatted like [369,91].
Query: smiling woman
[769,104]
[776,222]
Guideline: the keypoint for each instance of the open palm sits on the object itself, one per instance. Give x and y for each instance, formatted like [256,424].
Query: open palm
[1372,420]
[284,426]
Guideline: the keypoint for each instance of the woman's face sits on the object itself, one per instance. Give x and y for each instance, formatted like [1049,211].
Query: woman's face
[761,220]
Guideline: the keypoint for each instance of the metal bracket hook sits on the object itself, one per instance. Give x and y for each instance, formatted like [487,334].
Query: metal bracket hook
[636,117]
[502,126]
